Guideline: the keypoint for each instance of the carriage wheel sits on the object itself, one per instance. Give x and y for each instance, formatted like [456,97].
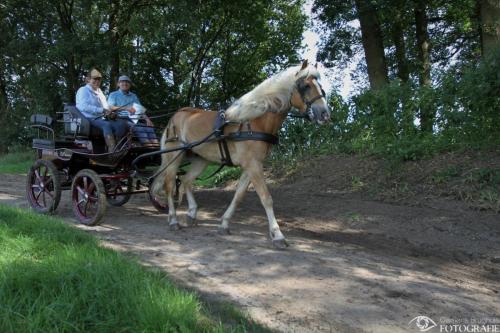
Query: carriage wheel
[43,187]
[113,193]
[88,197]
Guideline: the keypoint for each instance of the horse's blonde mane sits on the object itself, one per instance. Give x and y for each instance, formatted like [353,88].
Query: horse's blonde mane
[272,95]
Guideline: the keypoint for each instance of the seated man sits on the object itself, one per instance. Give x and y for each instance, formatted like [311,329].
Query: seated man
[124,100]
[93,105]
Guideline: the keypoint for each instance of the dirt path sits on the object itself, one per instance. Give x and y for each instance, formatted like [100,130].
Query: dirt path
[353,265]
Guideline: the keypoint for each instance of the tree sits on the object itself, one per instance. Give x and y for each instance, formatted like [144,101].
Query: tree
[489,18]
[372,44]
[424,61]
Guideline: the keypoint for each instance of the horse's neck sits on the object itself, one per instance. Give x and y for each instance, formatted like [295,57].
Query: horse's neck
[270,122]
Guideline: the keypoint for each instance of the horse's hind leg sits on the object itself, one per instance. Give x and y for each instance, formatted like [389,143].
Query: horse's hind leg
[197,167]
[238,196]
[175,160]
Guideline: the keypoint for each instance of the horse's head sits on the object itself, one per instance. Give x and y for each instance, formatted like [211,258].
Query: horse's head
[308,96]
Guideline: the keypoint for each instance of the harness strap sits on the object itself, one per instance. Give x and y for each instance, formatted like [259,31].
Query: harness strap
[225,156]
[254,136]
[220,123]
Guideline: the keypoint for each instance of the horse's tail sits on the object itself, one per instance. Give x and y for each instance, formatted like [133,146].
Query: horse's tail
[159,181]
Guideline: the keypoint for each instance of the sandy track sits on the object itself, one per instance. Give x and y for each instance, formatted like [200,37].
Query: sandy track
[353,265]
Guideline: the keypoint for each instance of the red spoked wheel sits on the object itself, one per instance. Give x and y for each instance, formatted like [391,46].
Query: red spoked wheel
[43,187]
[115,190]
[88,197]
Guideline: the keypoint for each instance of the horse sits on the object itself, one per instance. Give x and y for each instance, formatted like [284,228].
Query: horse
[263,109]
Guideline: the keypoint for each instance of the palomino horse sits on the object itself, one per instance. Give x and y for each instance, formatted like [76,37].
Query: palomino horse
[263,110]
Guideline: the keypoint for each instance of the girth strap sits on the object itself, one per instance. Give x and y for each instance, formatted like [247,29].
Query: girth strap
[255,136]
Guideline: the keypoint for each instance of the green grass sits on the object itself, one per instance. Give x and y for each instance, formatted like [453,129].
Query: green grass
[224,175]
[54,278]
[16,162]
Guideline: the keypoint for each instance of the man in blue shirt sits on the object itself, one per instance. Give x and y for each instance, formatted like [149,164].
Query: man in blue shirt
[93,105]
[124,100]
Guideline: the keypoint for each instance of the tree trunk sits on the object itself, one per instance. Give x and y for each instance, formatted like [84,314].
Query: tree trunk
[65,12]
[372,44]
[399,44]
[489,19]
[114,42]
[424,48]
[4,110]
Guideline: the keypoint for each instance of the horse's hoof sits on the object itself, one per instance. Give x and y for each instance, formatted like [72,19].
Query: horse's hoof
[223,231]
[191,222]
[174,226]
[280,244]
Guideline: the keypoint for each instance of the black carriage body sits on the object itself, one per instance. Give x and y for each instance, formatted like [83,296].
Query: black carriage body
[78,155]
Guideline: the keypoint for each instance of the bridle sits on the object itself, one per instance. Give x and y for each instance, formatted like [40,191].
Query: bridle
[301,88]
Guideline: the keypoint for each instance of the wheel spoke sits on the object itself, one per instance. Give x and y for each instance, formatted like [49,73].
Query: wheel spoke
[85,184]
[91,188]
[80,190]
[43,198]
[50,194]
[37,196]
[48,181]
[37,174]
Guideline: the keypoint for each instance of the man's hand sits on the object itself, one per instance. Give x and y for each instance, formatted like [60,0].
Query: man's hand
[111,115]
[131,110]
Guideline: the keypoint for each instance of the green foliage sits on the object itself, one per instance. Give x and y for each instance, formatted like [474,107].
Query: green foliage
[202,53]
[56,278]
[385,122]
[220,178]
[16,162]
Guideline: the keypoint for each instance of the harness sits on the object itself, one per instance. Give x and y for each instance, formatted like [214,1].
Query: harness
[240,135]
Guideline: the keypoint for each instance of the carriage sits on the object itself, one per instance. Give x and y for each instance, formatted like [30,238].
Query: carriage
[76,159]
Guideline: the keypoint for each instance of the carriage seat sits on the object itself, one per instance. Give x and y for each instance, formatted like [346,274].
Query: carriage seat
[76,124]
[41,119]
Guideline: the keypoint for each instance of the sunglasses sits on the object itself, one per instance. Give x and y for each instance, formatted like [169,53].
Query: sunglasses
[97,78]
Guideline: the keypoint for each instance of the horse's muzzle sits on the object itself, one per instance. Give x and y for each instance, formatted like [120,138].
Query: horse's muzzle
[319,114]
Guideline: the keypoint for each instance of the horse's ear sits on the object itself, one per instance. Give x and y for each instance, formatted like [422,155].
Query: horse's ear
[316,65]
[304,65]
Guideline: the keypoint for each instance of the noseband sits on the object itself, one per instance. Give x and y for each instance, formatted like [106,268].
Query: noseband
[301,88]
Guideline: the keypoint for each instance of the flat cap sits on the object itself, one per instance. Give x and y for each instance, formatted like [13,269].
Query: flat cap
[124,78]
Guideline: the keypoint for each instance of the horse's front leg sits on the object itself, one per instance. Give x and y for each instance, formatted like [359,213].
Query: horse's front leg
[257,177]
[238,196]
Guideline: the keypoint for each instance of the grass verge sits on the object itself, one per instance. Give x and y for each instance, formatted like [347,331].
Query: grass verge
[54,278]
[16,162]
